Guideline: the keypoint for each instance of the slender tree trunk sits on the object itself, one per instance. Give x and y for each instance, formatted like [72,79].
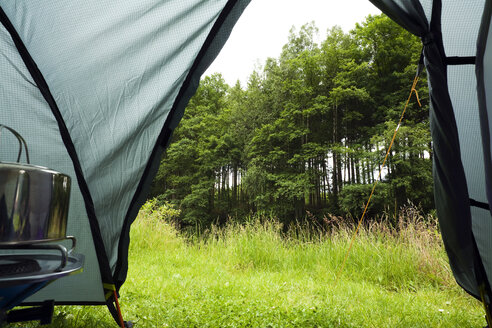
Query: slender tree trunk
[334,172]
[234,185]
[357,171]
[218,182]
[326,181]
[339,173]
[334,153]
[345,170]
[228,185]
[211,198]
[352,160]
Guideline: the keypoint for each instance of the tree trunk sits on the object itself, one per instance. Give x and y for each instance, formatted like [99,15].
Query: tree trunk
[334,172]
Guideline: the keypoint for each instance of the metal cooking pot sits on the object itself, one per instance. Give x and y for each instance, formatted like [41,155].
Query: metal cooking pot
[34,201]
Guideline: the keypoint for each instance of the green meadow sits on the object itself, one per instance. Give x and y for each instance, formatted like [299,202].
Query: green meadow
[260,274]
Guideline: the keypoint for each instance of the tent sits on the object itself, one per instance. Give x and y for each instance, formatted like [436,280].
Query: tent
[97,87]
[458,62]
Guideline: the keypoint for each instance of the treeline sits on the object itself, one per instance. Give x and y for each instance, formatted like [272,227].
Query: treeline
[308,133]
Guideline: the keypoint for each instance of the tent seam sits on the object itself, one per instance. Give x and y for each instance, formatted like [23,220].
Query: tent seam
[166,134]
[67,141]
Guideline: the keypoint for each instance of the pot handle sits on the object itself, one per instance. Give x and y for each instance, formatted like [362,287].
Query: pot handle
[54,247]
[21,140]
[61,248]
[74,243]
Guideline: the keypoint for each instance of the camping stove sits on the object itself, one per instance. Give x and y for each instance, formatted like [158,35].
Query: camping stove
[25,268]
[34,204]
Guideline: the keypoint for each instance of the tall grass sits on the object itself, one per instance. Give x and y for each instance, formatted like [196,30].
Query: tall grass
[256,274]
[261,274]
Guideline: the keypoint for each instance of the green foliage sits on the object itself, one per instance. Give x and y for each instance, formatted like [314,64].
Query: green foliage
[307,134]
[161,209]
[353,199]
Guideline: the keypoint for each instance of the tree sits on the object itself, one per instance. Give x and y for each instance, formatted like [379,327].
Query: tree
[307,133]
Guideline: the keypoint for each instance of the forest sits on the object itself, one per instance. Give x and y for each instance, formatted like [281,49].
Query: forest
[306,137]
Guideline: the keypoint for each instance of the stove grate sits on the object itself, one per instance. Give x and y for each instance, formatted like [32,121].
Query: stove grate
[13,267]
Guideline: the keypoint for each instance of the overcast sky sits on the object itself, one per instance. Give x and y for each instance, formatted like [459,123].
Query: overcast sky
[264,26]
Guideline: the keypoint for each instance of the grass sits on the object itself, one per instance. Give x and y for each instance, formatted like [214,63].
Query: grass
[255,275]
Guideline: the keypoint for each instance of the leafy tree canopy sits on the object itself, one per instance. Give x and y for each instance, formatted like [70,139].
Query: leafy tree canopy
[307,134]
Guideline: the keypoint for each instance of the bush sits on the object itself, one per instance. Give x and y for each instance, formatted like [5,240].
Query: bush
[353,199]
[160,209]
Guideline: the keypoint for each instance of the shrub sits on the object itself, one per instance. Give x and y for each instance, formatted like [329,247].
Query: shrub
[160,209]
[353,199]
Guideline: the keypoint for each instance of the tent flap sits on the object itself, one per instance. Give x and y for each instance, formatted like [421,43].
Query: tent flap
[114,79]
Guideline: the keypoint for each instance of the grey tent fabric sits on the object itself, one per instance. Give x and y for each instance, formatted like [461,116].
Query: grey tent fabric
[483,227]
[213,45]
[19,95]
[113,119]
[451,32]
[450,181]
[483,72]
[117,78]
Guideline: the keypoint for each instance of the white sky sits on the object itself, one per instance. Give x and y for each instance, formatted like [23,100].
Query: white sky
[264,27]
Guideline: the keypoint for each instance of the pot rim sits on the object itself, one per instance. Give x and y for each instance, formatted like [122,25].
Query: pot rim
[29,167]
[28,242]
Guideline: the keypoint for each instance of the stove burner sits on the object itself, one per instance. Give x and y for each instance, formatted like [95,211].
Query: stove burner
[10,267]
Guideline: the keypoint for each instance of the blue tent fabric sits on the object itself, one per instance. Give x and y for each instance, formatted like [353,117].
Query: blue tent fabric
[115,78]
